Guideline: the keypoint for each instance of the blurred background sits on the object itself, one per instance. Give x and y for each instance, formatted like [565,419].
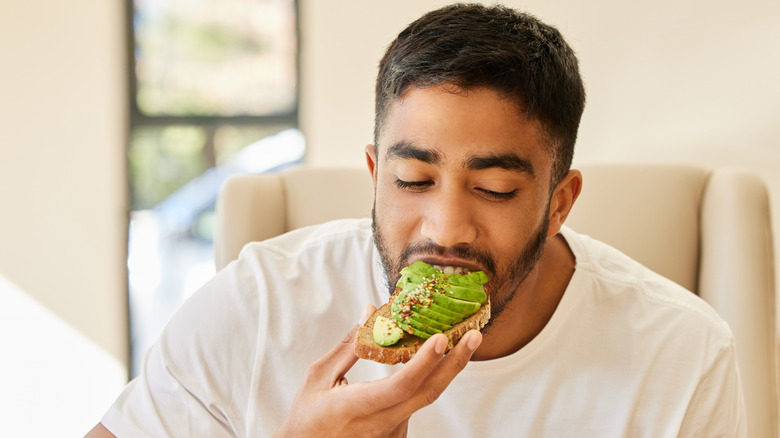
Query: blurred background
[119,120]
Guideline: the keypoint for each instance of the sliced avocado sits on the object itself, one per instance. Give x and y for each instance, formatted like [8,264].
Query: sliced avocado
[416,325]
[470,279]
[414,273]
[474,293]
[386,332]
[422,327]
[434,312]
[455,304]
[430,301]
[420,268]
[446,312]
[429,322]
[439,316]
[415,290]
[412,331]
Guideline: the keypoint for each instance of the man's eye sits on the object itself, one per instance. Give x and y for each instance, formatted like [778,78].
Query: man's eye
[498,196]
[412,185]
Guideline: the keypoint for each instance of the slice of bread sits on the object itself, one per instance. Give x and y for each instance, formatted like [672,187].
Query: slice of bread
[404,350]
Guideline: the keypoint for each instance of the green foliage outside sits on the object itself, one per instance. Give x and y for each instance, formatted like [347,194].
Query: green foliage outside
[163,159]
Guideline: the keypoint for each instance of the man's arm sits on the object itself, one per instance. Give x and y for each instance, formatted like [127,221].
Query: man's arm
[99,432]
[326,405]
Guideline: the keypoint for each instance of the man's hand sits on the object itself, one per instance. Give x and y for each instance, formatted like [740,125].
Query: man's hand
[326,405]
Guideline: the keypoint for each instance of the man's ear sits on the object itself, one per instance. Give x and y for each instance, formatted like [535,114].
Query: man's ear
[563,199]
[371,162]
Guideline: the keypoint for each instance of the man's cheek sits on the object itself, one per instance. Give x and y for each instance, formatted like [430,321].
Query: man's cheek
[395,223]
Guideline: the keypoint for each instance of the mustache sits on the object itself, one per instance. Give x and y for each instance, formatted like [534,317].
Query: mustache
[476,255]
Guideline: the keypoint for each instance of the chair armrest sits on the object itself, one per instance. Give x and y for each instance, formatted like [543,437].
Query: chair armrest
[737,278]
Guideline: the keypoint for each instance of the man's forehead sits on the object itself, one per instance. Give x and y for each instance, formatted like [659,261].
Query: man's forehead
[476,128]
[446,101]
[412,93]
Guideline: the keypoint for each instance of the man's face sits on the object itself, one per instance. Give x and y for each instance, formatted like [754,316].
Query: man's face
[461,180]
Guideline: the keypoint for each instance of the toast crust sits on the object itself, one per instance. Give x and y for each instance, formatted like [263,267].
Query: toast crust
[404,350]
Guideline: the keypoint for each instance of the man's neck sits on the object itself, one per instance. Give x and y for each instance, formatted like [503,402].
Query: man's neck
[533,305]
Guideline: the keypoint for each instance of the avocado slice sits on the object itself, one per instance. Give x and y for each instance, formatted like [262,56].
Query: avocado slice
[417,326]
[455,304]
[411,330]
[433,312]
[386,332]
[458,317]
[439,316]
[470,279]
[414,273]
[474,293]
[429,322]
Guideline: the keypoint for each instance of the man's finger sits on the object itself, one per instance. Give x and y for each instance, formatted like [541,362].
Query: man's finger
[399,387]
[446,370]
[367,311]
[443,374]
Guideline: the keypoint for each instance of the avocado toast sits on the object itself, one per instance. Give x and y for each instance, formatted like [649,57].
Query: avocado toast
[426,301]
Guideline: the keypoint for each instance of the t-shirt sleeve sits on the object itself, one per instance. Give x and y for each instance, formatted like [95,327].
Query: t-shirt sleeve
[717,407]
[195,380]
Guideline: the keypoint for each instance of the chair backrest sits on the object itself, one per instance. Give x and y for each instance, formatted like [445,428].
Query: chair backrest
[257,207]
[708,230]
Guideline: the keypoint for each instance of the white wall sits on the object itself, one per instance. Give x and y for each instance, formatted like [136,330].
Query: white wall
[665,79]
[692,81]
[62,214]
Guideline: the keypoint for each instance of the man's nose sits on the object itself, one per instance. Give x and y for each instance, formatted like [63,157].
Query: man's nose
[449,221]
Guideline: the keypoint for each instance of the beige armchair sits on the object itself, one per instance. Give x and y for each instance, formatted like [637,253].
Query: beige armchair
[708,230]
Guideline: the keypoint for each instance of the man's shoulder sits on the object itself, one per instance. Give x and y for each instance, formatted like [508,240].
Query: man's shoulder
[332,255]
[617,276]
[354,233]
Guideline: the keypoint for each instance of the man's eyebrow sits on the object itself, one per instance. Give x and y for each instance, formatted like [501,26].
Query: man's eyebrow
[506,161]
[407,150]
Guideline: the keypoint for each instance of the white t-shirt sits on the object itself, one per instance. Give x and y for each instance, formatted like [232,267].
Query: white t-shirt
[627,353]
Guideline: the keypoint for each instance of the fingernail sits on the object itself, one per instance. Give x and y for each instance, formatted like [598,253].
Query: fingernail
[440,345]
[474,340]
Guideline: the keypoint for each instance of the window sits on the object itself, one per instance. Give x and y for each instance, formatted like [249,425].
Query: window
[212,83]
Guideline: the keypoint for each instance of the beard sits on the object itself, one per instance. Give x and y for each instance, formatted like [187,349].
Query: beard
[505,279]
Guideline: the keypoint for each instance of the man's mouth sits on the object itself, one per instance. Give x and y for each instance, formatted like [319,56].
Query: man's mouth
[452,269]
[453,260]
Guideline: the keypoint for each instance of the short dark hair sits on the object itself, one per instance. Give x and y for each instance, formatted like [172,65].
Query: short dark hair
[513,53]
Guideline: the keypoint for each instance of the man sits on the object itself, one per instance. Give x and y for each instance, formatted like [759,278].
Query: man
[477,111]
